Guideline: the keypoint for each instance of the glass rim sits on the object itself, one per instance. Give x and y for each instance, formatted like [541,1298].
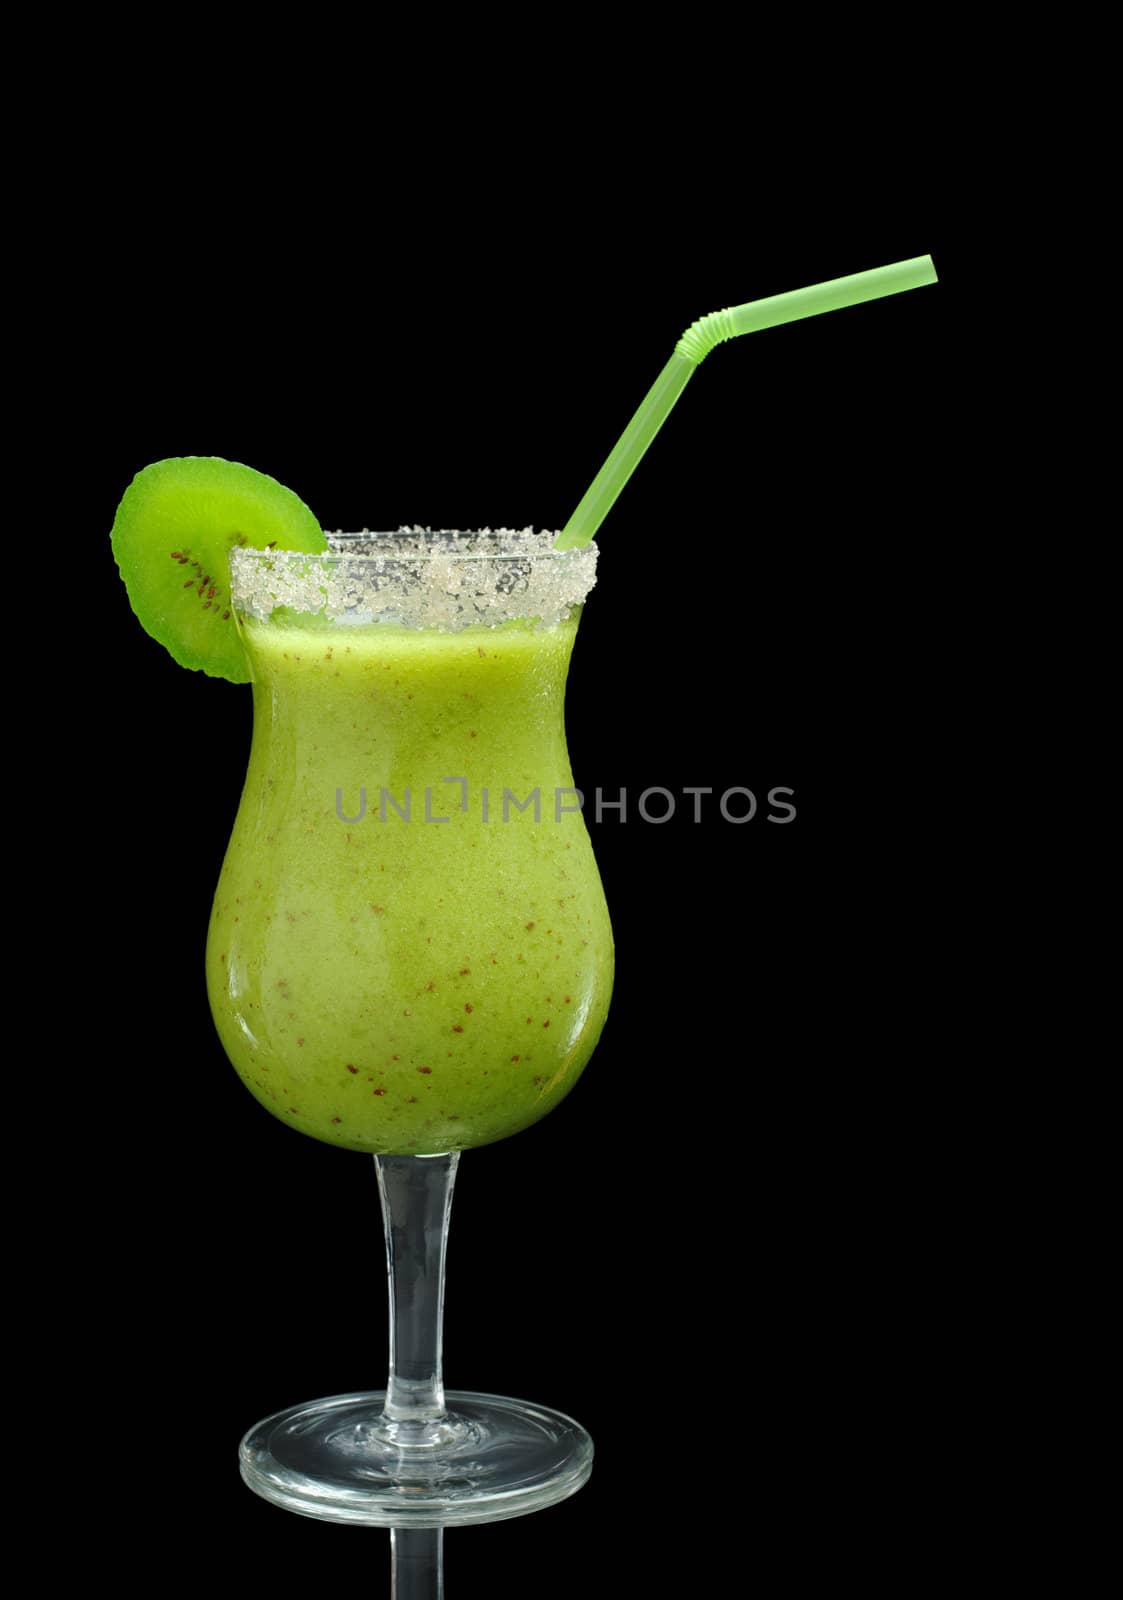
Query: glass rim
[445,578]
[420,544]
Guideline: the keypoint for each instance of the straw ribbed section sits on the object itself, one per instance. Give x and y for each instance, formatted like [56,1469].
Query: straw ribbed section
[701,336]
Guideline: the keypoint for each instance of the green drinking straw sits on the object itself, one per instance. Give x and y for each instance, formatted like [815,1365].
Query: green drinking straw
[695,344]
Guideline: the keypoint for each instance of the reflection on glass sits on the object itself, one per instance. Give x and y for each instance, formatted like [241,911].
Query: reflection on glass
[417,1563]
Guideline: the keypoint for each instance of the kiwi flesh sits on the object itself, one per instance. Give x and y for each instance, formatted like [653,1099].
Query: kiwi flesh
[175,527]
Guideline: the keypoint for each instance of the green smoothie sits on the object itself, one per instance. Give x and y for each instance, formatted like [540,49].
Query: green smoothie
[382,979]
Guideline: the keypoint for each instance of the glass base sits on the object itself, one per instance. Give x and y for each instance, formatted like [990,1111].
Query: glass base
[339,1460]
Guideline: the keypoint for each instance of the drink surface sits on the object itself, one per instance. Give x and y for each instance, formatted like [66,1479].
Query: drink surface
[409,986]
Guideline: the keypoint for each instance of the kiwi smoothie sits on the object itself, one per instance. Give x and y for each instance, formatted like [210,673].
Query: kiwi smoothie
[403,957]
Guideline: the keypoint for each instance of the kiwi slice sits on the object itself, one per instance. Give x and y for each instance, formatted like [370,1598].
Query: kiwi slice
[175,527]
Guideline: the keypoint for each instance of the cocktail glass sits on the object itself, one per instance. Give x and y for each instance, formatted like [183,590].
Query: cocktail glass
[410,955]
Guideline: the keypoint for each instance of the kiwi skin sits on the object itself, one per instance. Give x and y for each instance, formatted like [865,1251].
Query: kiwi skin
[175,527]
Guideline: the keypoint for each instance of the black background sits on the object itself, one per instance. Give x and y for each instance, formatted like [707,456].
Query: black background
[723,1252]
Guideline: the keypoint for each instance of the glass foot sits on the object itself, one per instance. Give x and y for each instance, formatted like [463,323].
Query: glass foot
[338,1460]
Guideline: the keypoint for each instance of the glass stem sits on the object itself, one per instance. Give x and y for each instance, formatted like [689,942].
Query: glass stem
[417,1563]
[416,1196]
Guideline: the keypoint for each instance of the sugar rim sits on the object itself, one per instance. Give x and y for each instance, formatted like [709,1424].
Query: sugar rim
[418,577]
